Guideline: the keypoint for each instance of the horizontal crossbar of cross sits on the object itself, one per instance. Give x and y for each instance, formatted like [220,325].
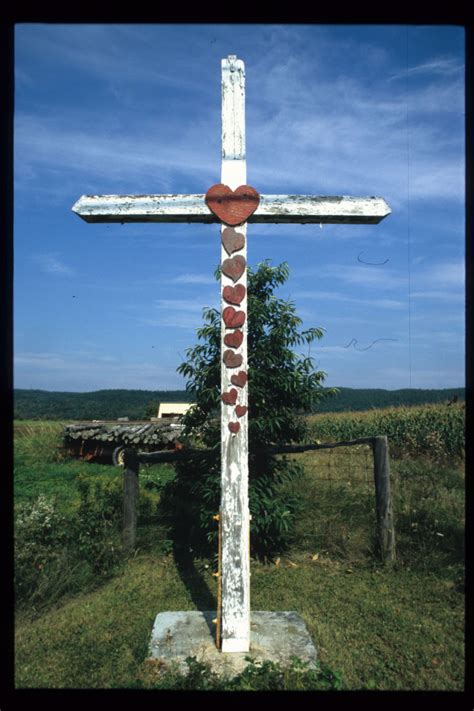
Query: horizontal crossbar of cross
[192,208]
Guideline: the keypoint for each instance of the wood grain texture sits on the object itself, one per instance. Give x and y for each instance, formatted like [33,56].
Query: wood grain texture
[304,209]
[233,207]
[383,500]
[234,510]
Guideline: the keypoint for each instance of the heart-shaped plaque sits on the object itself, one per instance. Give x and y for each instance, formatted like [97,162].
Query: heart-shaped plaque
[240,410]
[230,398]
[234,294]
[234,427]
[233,318]
[234,267]
[240,379]
[232,207]
[232,240]
[231,359]
[234,340]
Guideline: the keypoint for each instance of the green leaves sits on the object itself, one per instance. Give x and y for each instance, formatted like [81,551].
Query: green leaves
[283,386]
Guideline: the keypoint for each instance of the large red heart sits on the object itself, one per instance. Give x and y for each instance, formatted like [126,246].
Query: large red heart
[230,398]
[233,318]
[234,267]
[231,359]
[232,207]
[234,294]
[232,240]
[234,340]
[234,427]
[240,410]
[240,379]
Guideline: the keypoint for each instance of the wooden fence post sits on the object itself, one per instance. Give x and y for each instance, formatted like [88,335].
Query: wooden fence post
[383,499]
[130,497]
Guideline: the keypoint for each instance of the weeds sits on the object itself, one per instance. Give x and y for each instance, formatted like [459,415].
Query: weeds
[257,676]
[56,555]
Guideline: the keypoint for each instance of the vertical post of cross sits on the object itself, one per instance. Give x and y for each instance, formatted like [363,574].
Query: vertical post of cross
[234,511]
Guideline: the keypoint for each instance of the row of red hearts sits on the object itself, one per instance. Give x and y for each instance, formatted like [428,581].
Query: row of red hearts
[233,268]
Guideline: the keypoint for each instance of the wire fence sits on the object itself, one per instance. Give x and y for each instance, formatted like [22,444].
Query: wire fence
[351,465]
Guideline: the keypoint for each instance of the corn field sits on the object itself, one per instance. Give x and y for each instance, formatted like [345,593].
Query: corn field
[434,430]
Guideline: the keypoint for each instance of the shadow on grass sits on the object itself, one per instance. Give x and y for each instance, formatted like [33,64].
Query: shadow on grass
[194,581]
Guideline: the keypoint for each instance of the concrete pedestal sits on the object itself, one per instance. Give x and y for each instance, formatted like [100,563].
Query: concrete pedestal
[274,636]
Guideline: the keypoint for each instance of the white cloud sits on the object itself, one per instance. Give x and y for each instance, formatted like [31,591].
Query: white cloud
[447,274]
[306,131]
[53,371]
[193,279]
[189,305]
[447,67]
[51,264]
[445,296]
[350,298]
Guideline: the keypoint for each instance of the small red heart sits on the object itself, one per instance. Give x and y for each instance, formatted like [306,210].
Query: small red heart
[240,410]
[232,240]
[233,318]
[234,340]
[230,398]
[232,207]
[240,379]
[234,427]
[234,294]
[231,359]
[234,267]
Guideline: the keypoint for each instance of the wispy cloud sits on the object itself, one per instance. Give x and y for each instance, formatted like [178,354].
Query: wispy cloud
[445,67]
[445,296]
[306,131]
[189,305]
[193,279]
[351,298]
[451,273]
[68,372]
[129,163]
[51,264]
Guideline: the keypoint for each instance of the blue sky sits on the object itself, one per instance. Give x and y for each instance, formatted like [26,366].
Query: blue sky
[330,110]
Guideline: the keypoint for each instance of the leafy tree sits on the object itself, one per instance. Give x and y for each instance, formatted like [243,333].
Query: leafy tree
[151,410]
[283,386]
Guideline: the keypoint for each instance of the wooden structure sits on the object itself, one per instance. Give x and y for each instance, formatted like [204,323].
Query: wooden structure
[233,203]
[103,441]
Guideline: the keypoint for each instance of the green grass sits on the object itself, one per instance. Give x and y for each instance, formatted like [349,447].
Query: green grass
[41,467]
[378,629]
[398,628]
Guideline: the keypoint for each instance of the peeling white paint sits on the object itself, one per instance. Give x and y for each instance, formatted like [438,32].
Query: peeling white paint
[235,565]
[192,208]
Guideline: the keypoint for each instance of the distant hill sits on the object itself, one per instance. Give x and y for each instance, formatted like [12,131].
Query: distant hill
[97,405]
[352,399]
[137,404]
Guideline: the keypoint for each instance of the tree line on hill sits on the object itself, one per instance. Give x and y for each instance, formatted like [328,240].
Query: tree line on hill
[143,404]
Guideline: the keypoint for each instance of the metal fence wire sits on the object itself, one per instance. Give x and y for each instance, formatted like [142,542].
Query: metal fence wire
[347,500]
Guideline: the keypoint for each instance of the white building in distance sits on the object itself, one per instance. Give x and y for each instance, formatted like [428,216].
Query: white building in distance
[173,409]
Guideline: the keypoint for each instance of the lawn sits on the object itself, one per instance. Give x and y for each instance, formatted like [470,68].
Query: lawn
[393,628]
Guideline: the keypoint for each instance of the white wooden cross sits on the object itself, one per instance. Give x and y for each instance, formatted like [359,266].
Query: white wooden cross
[234,512]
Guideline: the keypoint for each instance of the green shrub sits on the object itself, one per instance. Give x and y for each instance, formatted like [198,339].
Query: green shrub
[40,540]
[55,554]
[283,385]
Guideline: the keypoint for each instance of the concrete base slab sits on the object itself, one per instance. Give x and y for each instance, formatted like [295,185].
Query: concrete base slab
[274,636]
